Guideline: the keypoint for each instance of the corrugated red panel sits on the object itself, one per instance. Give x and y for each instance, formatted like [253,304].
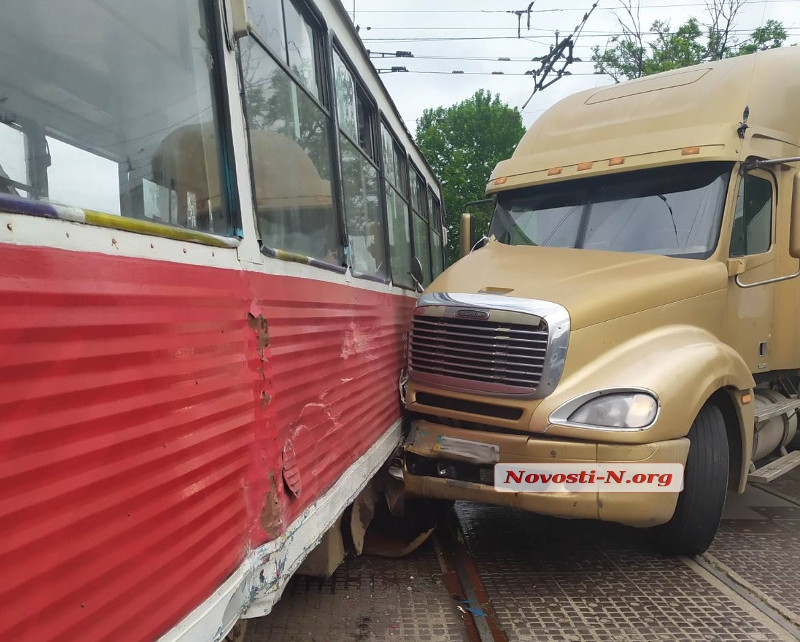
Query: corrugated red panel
[332,369]
[141,424]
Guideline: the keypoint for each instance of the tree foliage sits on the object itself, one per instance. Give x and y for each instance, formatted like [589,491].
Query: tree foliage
[769,36]
[635,52]
[463,143]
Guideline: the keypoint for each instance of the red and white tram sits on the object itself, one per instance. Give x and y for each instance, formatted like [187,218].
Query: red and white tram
[207,216]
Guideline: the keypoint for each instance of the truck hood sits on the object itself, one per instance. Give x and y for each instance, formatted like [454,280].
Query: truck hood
[593,286]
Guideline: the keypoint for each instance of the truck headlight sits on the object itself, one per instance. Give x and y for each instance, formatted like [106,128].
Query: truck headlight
[633,410]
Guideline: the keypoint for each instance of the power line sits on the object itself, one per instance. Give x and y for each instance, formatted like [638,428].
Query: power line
[790,32]
[459,72]
[542,30]
[388,54]
[501,11]
[474,58]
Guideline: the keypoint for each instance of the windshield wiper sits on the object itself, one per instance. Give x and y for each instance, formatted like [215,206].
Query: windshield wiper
[672,216]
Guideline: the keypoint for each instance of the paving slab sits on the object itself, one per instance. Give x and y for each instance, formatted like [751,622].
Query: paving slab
[367,599]
[759,540]
[558,580]
[563,581]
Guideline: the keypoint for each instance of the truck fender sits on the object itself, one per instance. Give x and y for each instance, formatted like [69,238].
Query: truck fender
[684,366]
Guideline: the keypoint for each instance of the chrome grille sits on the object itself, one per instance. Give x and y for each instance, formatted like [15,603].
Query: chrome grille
[478,354]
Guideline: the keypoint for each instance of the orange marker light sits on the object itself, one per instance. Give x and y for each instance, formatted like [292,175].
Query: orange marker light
[584,166]
[617,160]
[747,398]
[690,151]
[501,181]
[554,171]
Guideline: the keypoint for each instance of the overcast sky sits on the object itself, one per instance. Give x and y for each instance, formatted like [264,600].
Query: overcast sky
[442,36]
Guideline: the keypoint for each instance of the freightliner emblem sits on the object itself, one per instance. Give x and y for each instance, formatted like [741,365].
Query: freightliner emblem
[472,314]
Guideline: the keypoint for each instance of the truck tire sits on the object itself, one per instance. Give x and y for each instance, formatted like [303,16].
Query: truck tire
[705,483]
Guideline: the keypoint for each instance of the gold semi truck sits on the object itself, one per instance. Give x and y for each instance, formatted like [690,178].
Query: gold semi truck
[637,301]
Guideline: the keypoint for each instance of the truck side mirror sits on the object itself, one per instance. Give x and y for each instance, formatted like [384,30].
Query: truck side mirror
[467,234]
[794,235]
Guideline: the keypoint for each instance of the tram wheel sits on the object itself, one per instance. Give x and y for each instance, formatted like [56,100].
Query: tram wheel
[705,483]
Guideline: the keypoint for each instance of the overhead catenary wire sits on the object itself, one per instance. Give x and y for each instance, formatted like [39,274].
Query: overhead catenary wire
[473,58]
[563,10]
[541,30]
[559,54]
[459,72]
[790,32]
[554,64]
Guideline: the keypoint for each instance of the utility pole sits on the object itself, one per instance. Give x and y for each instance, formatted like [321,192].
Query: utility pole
[354,11]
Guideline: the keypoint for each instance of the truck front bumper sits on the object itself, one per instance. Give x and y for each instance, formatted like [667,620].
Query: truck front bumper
[431,471]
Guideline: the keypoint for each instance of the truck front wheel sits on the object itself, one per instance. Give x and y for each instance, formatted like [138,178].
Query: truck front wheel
[705,481]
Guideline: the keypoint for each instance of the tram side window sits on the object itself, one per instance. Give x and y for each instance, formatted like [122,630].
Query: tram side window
[73,172]
[752,222]
[290,37]
[359,174]
[437,251]
[419,205]
[290,150]
[13,167]
[396,183]
[123,122]
[267,19]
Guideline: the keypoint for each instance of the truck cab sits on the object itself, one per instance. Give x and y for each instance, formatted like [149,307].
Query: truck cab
[637,301]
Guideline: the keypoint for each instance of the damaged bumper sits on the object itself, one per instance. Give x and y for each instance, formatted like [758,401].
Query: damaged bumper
[458,464]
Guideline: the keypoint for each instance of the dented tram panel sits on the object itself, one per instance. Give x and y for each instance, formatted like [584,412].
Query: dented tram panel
[163,421]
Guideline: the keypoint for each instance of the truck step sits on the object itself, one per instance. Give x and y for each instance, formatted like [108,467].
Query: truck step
[775,469]
[774,409]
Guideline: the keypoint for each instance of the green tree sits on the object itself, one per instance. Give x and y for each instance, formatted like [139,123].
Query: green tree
[672,50]
[635,53]
[463,143]
[769,36]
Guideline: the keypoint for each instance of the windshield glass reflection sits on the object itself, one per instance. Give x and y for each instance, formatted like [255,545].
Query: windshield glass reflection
[673,211]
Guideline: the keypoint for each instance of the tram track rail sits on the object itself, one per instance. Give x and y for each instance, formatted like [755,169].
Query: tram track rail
[482,624]
[744,589]
[776,493]
[464,582]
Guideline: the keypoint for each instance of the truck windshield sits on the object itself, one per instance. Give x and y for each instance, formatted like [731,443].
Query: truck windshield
[674,211]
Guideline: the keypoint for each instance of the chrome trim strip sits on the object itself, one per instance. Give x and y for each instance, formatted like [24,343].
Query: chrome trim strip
[777,279]
[491,302]
[555,349]
[560,416]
